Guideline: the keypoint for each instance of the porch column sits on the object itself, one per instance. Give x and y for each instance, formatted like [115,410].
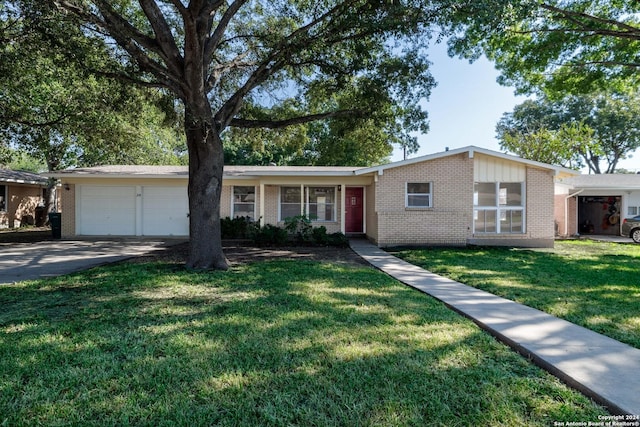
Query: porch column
[343,208]
[261,204]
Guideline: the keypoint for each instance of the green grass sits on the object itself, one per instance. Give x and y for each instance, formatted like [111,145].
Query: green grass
[271,344]
[592,284]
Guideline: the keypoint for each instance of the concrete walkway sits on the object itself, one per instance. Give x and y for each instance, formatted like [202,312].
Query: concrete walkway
[602,368]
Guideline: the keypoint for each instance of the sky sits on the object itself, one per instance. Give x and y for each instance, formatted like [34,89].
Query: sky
[466,105]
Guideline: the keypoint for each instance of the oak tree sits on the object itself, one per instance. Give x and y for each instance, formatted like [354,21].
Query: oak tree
[220,57]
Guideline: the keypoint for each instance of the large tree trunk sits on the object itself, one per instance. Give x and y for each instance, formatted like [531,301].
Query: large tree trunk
[206,163]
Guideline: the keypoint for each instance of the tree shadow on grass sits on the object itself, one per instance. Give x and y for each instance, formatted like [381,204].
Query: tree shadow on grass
[277,343]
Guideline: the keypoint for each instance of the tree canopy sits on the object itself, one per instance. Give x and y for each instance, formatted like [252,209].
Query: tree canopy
[555,46]
[54,108]
[595,130]
[262,64]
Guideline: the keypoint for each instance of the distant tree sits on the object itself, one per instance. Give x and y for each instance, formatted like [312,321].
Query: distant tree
[574,131]
[54,109]
[228,61]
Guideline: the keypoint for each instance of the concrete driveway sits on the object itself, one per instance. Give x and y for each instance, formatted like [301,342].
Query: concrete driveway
[28,261]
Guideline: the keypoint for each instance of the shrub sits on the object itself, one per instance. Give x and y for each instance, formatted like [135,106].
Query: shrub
[299,227]
[338,239]
[319,235]
[269,235]
[235,228]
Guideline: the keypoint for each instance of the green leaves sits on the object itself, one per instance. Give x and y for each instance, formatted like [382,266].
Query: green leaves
[55,108]
[574,131]
[560,47]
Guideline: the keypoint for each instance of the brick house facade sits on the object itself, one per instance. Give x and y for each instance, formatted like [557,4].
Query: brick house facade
[464,196]
[20,194]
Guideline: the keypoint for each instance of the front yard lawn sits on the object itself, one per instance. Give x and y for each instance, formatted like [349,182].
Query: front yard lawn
[270,343]
[592,284]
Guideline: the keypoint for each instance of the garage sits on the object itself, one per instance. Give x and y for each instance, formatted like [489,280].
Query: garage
[106,210]
[132,210]
[165,211]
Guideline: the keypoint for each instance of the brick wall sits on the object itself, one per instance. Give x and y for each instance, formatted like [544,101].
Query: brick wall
[566,220]
[540,204]
[371,217]
[225,201]
[447,222]
[68,209]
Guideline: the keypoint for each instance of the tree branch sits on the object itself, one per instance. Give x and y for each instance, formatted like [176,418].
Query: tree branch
[625,30]
[274,62]
[214,40]
[278,124]
[165,40]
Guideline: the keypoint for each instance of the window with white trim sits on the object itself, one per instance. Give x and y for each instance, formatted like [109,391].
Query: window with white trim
[498,207]
[290,202]
[633,210]
[3,198]
[318,203]
[244,202]
[321,203]
[418,195]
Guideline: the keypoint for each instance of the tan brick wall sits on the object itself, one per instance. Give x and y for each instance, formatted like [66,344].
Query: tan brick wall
[225,201]
[566,220]
[68,209]
[448,222]
[370,213]
[558,215]
[540,204]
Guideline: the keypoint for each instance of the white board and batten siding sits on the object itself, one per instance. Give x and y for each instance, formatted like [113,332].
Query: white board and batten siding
[132,210]
[493,169]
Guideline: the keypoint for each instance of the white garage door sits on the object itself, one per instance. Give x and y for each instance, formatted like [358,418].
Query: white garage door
[165,211]
[106,210]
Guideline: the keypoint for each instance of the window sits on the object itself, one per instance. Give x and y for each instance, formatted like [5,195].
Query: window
[418,195]
[3,198]
[290,202]
[319,203]
[498,207]
[631,210]
[244,202]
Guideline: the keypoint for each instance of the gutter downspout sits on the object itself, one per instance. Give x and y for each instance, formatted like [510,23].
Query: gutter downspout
[566,211]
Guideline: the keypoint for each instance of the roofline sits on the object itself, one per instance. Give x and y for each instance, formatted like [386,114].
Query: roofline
[64,174]
[22,181]
[471,150]
[249,174]
[607,187]
[255,174]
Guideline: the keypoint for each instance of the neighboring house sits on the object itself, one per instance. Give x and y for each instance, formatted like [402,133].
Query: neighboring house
[20,194]
[596,204]
[464,196]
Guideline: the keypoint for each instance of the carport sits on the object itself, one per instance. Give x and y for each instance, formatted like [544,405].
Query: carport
[596,204]
[599,214]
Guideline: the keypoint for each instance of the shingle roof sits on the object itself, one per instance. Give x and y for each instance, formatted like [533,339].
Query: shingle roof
[21,177]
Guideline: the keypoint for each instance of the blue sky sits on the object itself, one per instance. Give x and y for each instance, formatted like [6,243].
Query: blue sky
[466,105]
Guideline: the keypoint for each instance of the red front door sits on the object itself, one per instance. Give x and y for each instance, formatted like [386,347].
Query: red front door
[354,210]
